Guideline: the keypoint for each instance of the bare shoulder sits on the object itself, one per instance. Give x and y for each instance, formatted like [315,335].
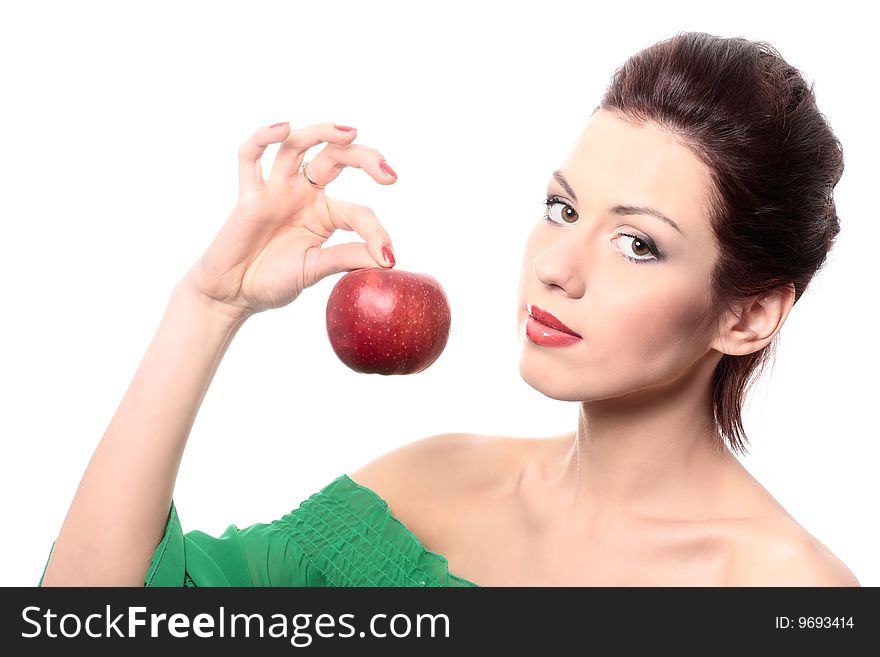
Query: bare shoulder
[444,464]
[788,555]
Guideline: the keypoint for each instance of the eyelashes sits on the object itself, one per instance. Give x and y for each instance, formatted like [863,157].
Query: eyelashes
[551,201]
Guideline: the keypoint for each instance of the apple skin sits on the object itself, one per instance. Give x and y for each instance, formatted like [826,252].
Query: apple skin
[388,321]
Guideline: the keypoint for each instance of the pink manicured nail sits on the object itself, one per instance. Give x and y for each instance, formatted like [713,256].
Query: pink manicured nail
[387,170]
[344,128]
[388,254]
[275,125]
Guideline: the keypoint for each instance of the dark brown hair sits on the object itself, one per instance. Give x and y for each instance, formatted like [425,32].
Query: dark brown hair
[752,119]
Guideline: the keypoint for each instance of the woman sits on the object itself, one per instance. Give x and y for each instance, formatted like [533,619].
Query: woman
[688,219]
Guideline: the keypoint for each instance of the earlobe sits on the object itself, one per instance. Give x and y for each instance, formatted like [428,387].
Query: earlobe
[751,324]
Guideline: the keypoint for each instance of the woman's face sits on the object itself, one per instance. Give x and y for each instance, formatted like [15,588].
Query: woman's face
[635,301]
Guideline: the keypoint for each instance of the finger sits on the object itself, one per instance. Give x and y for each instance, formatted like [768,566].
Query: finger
[361,219]
[250,174]
[323,262]
[328,164]
[290,153]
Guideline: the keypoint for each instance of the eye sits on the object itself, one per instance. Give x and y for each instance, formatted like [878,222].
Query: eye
[639,246]
[568,212]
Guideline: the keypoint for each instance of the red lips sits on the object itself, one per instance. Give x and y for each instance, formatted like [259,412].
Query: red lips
[550,320]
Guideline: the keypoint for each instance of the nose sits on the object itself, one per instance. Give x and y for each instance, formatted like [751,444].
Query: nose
[562,265]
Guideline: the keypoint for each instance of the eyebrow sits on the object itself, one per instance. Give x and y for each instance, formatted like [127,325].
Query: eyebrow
[619,210]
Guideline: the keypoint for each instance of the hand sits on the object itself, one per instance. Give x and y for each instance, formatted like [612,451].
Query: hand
[269,249]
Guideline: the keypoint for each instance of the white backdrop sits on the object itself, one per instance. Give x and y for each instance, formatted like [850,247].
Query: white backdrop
[119,137]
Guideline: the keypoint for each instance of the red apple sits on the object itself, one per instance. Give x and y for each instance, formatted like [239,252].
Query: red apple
[387,321]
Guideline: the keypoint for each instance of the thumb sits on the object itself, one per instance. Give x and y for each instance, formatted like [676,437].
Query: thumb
[344,258]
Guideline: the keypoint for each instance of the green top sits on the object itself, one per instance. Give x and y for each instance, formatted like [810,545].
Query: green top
[343,535]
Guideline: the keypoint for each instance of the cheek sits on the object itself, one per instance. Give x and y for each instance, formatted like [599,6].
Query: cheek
[650,325]
[535,243]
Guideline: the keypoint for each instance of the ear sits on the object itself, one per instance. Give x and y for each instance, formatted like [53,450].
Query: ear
[748,326]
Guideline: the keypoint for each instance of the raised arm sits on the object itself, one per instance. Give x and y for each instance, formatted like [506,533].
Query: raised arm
[122,502]
[265,255]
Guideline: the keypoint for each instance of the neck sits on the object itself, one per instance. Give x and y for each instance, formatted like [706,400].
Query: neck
[651,454]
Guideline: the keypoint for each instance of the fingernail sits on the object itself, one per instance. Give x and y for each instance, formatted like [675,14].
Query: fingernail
[387,170]
[275,125]
[344,128]
[388,254]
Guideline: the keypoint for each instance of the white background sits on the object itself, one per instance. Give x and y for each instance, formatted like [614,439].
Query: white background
[118,159]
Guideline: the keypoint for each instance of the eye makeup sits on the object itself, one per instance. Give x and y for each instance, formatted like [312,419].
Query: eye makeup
[644,240]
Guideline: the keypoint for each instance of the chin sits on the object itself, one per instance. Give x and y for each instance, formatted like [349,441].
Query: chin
[548,382]
[576,384]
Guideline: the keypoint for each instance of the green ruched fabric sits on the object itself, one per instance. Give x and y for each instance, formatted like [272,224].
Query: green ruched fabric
[343,535]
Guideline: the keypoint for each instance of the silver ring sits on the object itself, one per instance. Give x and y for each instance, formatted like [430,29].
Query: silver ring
[305,170]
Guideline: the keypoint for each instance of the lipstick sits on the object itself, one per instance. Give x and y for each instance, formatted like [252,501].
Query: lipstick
[547,330]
